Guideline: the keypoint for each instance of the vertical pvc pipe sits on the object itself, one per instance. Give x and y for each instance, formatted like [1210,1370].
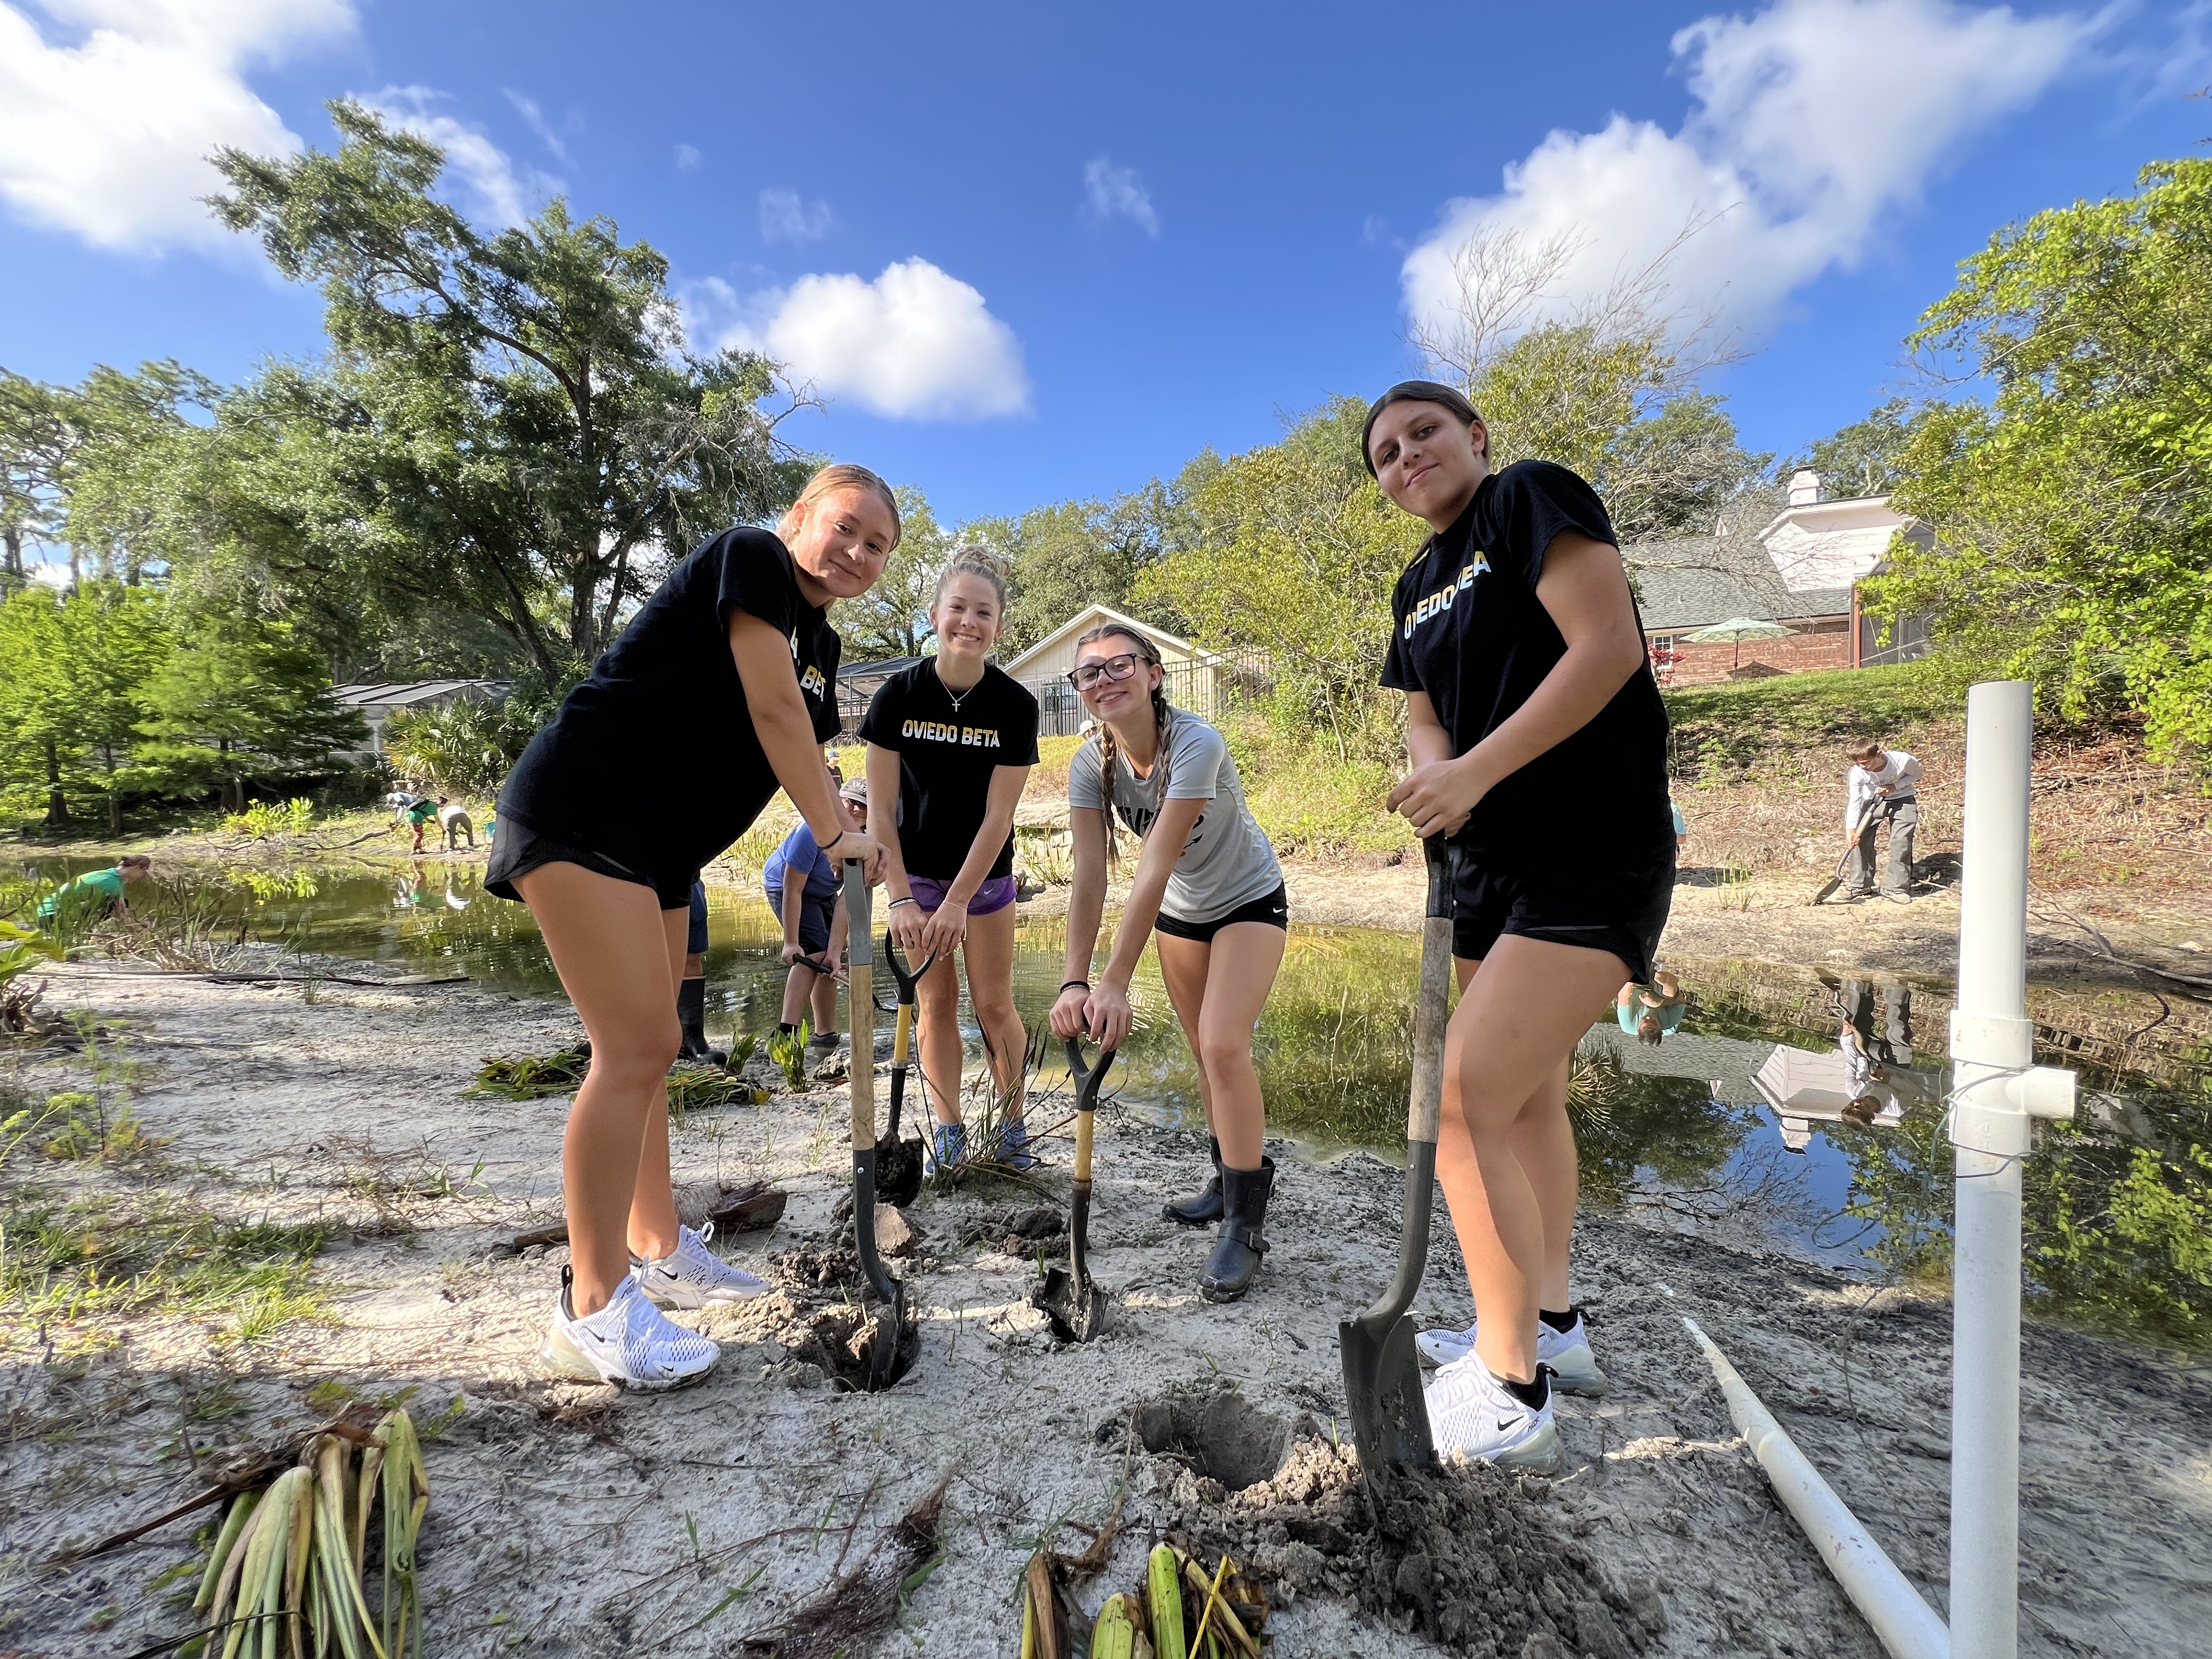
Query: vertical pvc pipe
[1990,1040]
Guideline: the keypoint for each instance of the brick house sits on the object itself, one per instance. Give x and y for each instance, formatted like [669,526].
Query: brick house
[1802,571]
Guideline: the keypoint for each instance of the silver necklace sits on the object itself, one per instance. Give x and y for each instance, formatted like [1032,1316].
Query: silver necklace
[951,696]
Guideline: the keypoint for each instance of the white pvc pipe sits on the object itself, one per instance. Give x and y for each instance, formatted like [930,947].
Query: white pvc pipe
[1990,1041]
[1901,1620]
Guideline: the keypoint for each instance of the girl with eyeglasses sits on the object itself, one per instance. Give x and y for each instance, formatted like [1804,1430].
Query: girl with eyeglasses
[603,825]
[1538,746]
[951,742]
[1207,887]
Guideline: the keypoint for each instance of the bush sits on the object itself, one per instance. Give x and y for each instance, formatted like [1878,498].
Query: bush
[262,819]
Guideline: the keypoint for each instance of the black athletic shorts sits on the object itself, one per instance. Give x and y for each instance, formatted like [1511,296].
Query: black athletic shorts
[518,849]
[1622,910]
[1274,910]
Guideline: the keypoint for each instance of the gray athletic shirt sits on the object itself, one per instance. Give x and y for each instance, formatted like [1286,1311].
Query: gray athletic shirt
[1227,861]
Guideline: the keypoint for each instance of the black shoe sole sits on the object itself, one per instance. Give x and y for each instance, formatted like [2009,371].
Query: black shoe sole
[1217,1294]
[1169,1212]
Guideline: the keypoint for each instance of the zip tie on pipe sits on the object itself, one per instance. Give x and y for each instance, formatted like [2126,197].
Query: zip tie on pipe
[1901,1620]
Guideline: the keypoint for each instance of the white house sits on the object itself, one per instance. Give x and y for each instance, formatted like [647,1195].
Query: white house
[377,703]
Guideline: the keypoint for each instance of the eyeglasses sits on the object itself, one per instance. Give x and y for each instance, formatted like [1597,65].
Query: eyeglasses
[1114,668]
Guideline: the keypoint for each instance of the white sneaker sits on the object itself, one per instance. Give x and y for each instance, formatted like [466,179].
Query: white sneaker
[692,1276]
[1574,1367]
[1473,1413]
[629,1343]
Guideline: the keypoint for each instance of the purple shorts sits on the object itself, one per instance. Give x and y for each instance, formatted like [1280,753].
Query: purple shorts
[991,895]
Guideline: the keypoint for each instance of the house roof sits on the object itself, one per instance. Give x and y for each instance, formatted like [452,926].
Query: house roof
[1692,581]
[1090,617]
[879,668]
[408,694]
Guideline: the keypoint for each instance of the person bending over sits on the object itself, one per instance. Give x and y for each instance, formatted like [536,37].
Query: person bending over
[604,824]
[1207,887]
[422,813]
[804,889]
[951,742]
[1539,744]
[84,901]
[1889,780]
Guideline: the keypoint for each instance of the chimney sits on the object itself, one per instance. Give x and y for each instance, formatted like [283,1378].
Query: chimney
[1804,488]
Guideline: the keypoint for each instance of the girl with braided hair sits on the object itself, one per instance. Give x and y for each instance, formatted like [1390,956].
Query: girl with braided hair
[1207,887]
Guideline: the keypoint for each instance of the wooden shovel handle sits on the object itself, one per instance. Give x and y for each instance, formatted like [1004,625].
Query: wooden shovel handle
[1432,1007]
[861,1003]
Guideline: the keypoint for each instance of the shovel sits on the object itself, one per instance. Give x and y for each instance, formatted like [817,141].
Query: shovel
[1381,1370]
[900,1165]
[887,1325]
[1829,886]
[1068,1298]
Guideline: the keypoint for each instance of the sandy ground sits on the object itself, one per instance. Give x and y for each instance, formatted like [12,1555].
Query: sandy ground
[571,1520]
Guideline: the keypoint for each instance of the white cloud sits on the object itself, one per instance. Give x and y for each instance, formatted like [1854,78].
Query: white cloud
[528,110]
[1813,120]
[497,194]
[1110,192]
[687,158]
[914,344]
[785,218]
[106,134]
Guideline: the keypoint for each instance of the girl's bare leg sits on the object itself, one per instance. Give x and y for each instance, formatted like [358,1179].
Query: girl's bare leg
[988,957]
[1508,1039]
[618,955]
[1239,971]
[1183,965]
[937,1034]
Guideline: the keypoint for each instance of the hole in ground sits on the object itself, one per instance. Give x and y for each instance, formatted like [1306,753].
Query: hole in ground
[1222,1435]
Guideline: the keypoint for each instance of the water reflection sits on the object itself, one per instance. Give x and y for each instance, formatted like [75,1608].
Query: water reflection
[1796,1104]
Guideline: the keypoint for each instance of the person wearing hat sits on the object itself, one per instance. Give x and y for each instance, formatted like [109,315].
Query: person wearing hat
[804,888]
[1539,746]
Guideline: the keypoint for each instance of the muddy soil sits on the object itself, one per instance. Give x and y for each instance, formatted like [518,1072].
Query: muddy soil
[571,1520]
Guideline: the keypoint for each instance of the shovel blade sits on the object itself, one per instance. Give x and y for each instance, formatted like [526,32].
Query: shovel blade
[1382,1386]
[1074,1307]
[886,1335]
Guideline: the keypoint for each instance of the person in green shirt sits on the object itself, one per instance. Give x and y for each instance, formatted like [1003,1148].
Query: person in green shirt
[421,815]
[97,893]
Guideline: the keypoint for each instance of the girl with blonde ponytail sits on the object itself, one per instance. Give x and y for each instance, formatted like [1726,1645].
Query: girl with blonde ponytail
[1208,889]
[603,825]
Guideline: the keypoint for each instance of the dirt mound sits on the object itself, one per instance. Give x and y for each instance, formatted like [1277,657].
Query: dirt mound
[808,1269]
[1466,1557]
[841,1341]
[1016,1231]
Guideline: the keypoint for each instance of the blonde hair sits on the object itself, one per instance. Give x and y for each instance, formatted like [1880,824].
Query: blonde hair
[972,559]
[839,475]
[1109,750]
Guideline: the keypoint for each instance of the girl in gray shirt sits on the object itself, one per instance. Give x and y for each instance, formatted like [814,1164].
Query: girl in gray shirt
[1208,888]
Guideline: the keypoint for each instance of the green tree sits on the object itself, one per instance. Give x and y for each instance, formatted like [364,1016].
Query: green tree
[74,670]
[2073,509]
[238,700]
[1069,555]
[1294,554]
[36,441]
[1866,458]
[508,425]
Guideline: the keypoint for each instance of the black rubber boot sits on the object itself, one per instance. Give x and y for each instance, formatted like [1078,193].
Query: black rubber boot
[1203,1208]
[1236,1259]
[691,1014]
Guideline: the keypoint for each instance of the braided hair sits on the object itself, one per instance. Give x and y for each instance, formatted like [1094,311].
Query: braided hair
[1109,750]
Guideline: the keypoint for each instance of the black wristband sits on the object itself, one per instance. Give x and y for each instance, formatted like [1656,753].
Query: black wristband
[832,840]
[1072,984]
[895,903]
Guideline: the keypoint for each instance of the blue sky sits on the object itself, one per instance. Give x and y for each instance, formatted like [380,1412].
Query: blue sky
[1033,253]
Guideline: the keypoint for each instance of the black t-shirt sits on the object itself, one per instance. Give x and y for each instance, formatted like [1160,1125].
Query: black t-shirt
[652,760]
[1472,634]
[947,752]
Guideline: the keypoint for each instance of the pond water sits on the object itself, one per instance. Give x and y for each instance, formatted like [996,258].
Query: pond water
[1738,1123]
